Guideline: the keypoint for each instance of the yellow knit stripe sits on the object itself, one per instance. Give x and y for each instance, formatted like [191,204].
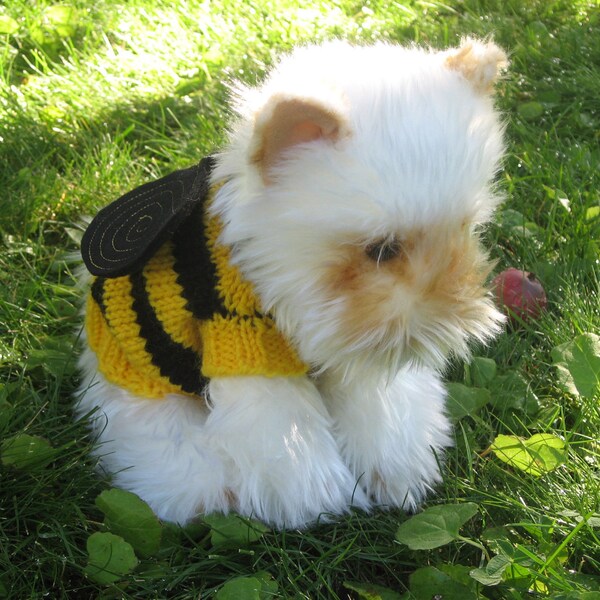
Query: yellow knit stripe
[167,300]
[237,294]
[122,320]
[247,346]
[113,362]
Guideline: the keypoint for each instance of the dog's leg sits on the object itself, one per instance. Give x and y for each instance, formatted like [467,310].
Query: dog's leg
[283,463]
[391,433]
[155,448]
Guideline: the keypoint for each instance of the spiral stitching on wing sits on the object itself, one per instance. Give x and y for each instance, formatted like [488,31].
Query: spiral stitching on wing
[126,232]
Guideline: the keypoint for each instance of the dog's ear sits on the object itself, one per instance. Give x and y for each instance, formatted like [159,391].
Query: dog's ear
[286,122]
[479,62]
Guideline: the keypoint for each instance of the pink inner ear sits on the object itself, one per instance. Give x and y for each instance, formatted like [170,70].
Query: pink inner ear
[289,123]
[304,132]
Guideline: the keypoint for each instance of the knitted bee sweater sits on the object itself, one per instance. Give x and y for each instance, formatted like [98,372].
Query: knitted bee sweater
[184,316]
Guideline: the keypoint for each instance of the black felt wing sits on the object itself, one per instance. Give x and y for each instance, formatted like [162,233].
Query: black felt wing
[125,234]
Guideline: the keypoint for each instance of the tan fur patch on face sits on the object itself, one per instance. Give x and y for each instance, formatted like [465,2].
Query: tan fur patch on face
[437,277]
[357,267]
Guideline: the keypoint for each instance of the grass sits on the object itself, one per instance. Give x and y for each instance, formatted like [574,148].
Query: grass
[96,98]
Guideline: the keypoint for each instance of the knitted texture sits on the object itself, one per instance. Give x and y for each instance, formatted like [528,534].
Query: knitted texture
[186,316]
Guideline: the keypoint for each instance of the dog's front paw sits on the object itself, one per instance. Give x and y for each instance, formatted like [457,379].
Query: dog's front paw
[283,464]
[391,483]
[396,474]
[391,434]
[299,485]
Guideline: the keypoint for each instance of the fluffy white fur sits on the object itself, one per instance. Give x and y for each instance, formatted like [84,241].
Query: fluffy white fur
[419,146]
[185,459]
[340,148]
[391,433]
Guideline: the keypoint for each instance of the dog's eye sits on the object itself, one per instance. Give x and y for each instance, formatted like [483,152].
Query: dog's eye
[383,250]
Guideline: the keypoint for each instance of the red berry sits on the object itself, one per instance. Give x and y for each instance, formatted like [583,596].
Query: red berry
[520,294]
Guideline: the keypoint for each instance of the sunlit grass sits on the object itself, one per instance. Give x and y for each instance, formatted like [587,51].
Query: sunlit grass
[96,98]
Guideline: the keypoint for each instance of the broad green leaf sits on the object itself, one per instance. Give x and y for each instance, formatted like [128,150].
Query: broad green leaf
[511,218]
[40,34]
[268,584]
[537,455]
[61,19]
[131,518]
[371,591]
[110,558]
[260,586]
[429,582]
[435,526]
[530,110]
[240,588]
[26,452]
[511,391]
[59,14]
[591,520]
[56,356]
[593,212]
[483,370]
[464,401]
[584,581]
[459,573]
[493,572]
[529,231]
[523,577]
[8,25]
[578,364]
[515,224]
[491,535]
[233,529]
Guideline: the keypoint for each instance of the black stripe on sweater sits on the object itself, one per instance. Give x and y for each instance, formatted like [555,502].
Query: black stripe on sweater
[196,273]
[97,292]
[180,365]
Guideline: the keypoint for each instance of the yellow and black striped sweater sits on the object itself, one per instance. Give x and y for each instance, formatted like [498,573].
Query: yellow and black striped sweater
[184,316]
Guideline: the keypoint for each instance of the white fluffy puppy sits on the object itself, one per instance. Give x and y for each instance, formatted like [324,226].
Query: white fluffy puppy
[349,199]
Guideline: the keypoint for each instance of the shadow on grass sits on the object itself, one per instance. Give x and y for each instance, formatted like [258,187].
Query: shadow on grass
[40,155]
